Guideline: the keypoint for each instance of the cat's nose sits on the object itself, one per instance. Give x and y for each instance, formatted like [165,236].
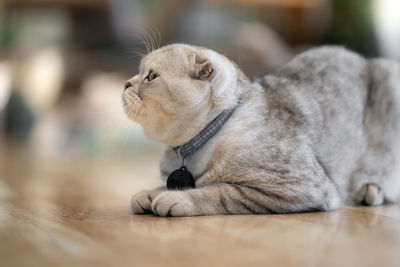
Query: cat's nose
[127,85]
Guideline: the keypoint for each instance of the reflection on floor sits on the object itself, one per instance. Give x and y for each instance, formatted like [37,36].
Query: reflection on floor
[76,213]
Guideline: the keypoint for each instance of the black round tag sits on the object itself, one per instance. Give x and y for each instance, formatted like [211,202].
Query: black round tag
[180,179]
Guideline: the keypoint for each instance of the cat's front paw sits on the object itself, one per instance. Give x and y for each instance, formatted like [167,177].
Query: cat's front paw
[173,203]
[141,202]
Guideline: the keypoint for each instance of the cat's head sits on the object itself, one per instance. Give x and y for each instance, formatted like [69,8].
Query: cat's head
[177,90]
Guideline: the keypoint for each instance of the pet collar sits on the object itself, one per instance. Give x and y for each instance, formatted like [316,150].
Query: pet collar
[181,178]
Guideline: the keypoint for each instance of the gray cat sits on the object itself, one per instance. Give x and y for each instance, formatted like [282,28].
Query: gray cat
[320,133]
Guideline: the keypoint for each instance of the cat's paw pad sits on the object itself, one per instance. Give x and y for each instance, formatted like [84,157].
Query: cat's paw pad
[172,203]
[141,202]
[370,194]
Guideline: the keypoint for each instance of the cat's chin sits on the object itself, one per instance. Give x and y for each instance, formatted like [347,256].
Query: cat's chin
[150,135]
[160,137]
[134,116]
[133,108]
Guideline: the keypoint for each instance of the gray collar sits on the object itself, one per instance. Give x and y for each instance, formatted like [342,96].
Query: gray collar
[208,132]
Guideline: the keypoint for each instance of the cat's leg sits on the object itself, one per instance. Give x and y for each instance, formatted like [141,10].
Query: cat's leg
[141,202]
[224,198]
[370,194]
[378,176]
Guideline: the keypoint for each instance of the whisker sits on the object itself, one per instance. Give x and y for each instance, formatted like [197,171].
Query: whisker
[140,52]
[131,113]
[153,41]
[153,38]
[134,110]
[137,53]
[150,39]
[142,38]
[147,40]
[124,143]
[141,113]
[157,37]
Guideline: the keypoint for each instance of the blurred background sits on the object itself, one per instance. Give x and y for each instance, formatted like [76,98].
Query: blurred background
[63,63]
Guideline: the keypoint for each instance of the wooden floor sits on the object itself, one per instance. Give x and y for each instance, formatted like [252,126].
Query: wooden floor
[76,213]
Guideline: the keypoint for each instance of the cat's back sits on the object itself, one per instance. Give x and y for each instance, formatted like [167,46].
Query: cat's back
[324,83]
[324,69]
[319,58]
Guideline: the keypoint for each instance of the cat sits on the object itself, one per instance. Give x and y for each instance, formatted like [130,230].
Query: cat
[318,134]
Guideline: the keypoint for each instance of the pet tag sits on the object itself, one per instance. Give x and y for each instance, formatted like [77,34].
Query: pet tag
[180,179]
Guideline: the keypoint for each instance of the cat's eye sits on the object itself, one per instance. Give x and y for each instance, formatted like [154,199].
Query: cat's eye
[151,76]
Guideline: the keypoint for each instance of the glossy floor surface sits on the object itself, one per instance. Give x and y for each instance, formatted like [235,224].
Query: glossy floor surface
[76,213]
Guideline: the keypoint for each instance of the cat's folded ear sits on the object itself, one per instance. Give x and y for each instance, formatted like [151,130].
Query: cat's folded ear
[203,68]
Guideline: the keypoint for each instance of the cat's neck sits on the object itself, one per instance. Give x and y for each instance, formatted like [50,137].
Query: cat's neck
[226,89]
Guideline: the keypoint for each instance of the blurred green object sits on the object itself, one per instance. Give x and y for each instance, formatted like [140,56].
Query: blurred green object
[352,26]
[7,32]
[19,117]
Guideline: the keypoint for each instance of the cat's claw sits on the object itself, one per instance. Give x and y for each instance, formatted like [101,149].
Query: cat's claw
[172,203]
[141,202]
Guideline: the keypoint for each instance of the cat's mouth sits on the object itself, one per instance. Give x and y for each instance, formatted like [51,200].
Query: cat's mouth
[133,105]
